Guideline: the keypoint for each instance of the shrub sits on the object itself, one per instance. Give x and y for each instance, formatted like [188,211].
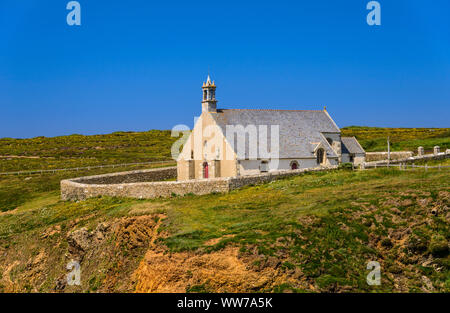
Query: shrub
[386,242]
[438,246]
[416,243]
[345,166]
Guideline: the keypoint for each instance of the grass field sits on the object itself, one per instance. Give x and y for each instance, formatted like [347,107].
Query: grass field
[311,233]
[71,152]
[80,151]
[402,139]
[315,232]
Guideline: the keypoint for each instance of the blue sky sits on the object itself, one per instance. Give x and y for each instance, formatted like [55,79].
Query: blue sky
[139,65]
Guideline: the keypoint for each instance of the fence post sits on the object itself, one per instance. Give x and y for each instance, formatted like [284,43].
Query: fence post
[426,167]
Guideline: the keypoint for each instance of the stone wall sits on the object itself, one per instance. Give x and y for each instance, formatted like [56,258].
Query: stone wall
[100,185]
[157,174]
[412,159]
[145,190]
[378,156]
[238,182]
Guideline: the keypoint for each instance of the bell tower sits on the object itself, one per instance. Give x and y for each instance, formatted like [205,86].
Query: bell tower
[209,102]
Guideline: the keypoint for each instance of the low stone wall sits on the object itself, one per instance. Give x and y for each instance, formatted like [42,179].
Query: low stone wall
[157,174]
[93,186]
[378,156]
[145,190]
[238,182]
[439,156]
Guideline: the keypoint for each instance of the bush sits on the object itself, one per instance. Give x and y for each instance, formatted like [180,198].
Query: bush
[346,166]
[386,242]
[438,246]
[417,243]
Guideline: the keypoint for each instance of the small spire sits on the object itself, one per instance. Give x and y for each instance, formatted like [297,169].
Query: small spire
[325,108]
[208,80]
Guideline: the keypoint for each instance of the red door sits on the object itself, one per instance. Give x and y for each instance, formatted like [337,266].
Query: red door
[205,170]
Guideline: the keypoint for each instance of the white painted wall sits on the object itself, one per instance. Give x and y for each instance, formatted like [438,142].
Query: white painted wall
[357,159]
[252,167]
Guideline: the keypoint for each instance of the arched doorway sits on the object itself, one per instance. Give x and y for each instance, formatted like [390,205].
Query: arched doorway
[205,170]
[320,154]
[294,165]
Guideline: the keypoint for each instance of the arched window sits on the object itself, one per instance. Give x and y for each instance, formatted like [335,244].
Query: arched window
[294,165]
[320,154]
[205,170]
[330,141]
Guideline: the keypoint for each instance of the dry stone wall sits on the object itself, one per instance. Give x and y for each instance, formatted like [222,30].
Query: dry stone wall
[157,174]
[426,157]
[126,184]
[396,155]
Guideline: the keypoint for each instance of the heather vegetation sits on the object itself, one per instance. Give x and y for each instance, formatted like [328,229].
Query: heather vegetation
[402,139]
[80,151]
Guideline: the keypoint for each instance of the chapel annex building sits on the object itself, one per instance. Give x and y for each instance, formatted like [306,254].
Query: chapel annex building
[304,139]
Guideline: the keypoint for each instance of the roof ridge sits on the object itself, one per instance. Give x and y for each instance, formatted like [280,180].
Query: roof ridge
[271,110]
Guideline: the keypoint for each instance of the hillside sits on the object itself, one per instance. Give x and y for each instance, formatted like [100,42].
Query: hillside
[315,232]
[79,150]
[375,138]
[71,152]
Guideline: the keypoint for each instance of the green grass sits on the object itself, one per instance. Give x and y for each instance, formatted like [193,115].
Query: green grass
[443,162]
[17,190]
[79,151]
[71,152]
[317,222]
[328,225]
[375,138]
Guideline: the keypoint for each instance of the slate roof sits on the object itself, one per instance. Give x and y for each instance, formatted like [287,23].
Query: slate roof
[300,130]
[351,145]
